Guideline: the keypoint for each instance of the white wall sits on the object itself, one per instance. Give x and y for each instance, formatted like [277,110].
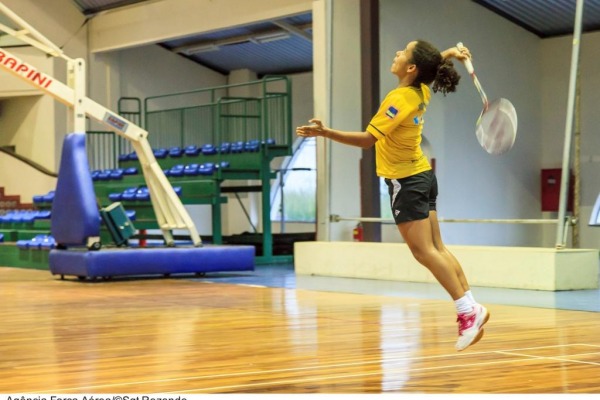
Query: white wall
[472,183]
[555,71]
[23,179]
[152,70]
[345,115]
[22,120]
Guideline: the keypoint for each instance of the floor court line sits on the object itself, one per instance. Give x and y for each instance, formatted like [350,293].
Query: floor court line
[345,376]
[562,359]
[89,389]
[390,361]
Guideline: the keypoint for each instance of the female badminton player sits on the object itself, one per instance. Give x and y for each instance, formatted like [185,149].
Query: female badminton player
[395,131]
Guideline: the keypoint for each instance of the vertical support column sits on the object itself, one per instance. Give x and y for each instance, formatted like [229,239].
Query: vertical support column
[577,166]
[217,233]
[564,183]
[266,209]
[369,181]
[322,65]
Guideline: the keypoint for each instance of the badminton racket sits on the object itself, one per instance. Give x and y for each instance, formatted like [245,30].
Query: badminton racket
[496,127]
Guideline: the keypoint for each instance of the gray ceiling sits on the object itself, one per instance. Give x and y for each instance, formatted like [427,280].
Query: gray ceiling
[284,46]
[546,18]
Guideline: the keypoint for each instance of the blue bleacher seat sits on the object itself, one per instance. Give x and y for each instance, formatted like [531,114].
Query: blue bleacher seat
[8,218]
[104,175]
[175,152]
[209,149]
[160,153]
[117,174]
[206,169]
[130,171]
[130,214]
[176,170]
[192,150]
[27,217]
[252,146]
[115,196]
[237,147]
[39,242]
[129,193]
[225,148]
[142,194]
[38,199]
[43,214]
[191,169]
[47,243]
[49,197]
[132,156]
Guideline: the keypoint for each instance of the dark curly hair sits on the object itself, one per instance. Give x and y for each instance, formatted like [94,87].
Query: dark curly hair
[433,68]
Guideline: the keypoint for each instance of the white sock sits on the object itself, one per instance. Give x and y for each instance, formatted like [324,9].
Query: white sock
[463,305]
[470,296]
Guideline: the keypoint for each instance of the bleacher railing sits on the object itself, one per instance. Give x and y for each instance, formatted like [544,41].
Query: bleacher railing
[103,149]
[256,110]
[211,115]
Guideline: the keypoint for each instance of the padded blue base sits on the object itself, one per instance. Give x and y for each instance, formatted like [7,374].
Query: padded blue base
[151,261]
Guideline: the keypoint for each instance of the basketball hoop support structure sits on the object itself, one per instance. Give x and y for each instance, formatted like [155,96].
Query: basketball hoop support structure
[170,212]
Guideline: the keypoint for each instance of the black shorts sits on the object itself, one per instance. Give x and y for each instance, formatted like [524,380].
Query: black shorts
[413,197]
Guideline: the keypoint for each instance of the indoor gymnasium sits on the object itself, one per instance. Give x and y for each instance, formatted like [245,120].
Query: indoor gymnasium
[333,197]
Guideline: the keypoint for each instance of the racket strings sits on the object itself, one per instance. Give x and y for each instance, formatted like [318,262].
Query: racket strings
[496,132]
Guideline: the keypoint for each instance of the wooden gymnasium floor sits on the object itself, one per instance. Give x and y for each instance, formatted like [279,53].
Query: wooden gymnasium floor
[200,336]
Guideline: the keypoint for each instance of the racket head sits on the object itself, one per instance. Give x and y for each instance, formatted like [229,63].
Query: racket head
[497,127]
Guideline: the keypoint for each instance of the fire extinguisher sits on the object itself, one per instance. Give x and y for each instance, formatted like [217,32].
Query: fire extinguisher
[357,233]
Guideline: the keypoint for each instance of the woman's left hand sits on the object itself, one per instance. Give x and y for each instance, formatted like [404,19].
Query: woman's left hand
[460,53]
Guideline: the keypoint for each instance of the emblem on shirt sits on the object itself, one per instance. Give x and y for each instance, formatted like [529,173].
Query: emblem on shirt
[391,112]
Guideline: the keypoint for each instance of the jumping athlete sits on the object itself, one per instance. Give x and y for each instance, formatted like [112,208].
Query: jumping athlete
[396,133]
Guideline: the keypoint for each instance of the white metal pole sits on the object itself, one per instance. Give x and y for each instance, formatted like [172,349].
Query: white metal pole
[46,45]
[322,60]
[564,183]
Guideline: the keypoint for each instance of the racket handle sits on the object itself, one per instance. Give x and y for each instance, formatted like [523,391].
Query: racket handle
[467,61]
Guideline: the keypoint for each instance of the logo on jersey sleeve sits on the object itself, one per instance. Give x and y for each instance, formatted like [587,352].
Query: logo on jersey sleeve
[391,112]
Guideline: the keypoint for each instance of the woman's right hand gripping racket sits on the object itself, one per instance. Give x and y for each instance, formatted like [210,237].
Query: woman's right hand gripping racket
[496,127]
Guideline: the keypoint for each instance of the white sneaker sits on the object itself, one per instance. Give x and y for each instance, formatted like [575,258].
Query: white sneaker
[470,326]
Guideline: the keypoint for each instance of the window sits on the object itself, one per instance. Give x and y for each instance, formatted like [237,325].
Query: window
[294,192]
[384,200]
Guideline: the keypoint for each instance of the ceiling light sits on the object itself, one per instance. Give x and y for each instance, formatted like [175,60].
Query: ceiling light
[271,37]
[205,48]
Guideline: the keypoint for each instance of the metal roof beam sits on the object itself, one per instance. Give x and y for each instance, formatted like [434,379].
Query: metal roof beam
[159,21]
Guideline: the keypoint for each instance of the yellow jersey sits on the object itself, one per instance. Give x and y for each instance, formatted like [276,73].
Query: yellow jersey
[397,126]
